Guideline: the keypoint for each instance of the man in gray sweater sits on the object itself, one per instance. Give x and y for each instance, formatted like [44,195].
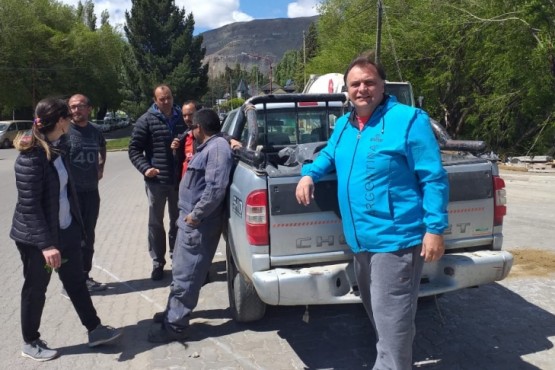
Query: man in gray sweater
[87,153]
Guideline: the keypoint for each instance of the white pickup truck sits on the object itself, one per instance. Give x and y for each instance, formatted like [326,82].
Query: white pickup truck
[283,253]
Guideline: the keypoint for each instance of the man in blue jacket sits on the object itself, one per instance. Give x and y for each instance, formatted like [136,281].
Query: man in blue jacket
[150,153]
[393,203]
[201,218]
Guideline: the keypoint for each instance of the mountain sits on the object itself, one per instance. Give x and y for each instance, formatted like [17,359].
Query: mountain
[257,42]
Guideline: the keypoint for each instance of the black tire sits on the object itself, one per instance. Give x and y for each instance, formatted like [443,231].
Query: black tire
[244,302]
[6,144]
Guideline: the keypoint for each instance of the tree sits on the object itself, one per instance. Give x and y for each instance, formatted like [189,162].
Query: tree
[292,66]
[47,50]
[32,46]
[309,51]
[287,66]
[97,54]
[104,17]
[163,50]
[86,13]
[337,40]
[486,69]
[311,44]
[232,104]
[225,84]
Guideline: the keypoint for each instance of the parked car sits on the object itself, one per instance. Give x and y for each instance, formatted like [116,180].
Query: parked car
[109,118]
[116,120]
[10,129]
[102,126]
[222,116]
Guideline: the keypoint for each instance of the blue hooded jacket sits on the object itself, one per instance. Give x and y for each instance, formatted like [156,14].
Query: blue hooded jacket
[392,187]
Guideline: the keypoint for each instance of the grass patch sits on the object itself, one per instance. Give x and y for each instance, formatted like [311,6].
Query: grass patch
[118,144]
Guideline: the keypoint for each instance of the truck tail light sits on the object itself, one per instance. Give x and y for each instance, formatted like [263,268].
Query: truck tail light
[499,200]
[256,212]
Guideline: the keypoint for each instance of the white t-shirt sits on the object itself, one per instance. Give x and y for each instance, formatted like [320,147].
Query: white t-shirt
[64,214]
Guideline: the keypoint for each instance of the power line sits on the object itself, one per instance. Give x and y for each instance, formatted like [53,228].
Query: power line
[40,68]
[388,26]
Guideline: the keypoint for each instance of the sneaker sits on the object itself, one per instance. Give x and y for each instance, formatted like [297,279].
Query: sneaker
[38,351]
[95,286]
[159,317]
[103,334]
[157,273]
[159,333]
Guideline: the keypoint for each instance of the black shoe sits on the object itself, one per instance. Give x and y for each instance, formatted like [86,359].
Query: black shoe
[157,273]
[103,334]
[158,333]
[159,317]
[206,279]
[95,286]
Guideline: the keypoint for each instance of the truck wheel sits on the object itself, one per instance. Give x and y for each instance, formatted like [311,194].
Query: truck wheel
[244,302]
[6,144]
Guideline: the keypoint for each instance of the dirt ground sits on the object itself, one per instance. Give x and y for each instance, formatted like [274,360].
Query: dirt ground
[532,262]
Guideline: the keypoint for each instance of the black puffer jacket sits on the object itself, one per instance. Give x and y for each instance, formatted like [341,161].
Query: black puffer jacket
[150,145]
[36,216]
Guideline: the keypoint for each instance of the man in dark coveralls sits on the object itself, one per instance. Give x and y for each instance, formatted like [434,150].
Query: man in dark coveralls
[201,217]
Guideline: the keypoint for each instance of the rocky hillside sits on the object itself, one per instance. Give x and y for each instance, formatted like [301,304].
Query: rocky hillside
[268,39]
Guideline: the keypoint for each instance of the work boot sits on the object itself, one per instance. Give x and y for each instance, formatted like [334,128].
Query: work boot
[157,273]
[160,333]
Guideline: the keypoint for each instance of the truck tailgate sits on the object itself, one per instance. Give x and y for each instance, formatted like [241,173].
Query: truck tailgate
[305,234]
[471,204]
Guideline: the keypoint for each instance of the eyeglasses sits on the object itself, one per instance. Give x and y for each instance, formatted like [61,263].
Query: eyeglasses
[78,107]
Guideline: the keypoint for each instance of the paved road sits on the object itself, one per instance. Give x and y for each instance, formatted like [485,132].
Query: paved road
[507,325]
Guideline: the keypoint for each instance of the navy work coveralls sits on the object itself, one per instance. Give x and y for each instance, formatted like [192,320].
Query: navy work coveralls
[201,194]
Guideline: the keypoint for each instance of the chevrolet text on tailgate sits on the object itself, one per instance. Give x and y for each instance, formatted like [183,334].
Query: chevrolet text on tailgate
[282,253]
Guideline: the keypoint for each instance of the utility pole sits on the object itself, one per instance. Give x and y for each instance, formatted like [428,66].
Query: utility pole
[271,78]
[304,59]
[379,32]
[256,56]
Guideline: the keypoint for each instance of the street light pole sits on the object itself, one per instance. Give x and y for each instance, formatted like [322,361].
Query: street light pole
[256,56]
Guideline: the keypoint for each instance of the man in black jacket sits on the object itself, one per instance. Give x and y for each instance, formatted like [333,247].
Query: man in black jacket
[150,153]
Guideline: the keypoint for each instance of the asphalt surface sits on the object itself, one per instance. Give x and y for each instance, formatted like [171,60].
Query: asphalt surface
[505,325]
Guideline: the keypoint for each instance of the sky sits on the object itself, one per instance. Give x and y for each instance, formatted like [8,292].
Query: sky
[211,14]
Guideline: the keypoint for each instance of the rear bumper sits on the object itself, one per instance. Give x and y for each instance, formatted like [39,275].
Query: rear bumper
[336,283]
[462,270]
[327,284]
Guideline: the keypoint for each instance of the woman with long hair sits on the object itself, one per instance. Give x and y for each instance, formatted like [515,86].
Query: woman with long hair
[47,229]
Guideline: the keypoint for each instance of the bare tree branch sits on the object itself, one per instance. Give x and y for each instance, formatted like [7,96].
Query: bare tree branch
[503,18]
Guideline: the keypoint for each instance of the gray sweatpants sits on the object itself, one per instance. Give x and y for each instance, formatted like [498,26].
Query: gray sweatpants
[158,195]
[389,284]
